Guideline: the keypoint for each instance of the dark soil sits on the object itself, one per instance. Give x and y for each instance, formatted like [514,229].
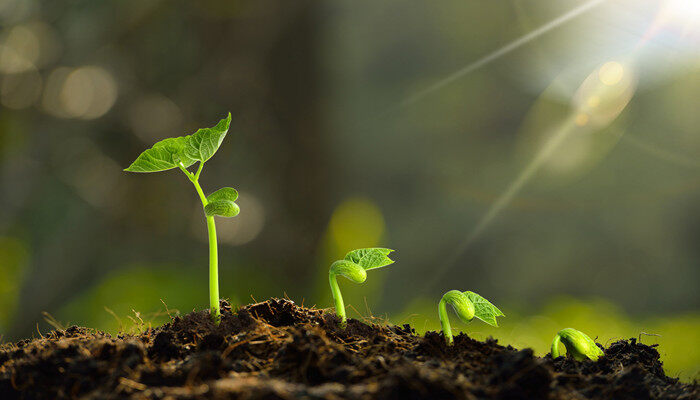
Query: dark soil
[278,350]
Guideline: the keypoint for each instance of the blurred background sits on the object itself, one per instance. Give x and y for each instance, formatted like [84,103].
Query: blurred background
[545,154]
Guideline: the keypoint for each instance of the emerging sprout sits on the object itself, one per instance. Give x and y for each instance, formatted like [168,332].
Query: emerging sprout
[577,344]
[467,305]
[354,267]
[183,152]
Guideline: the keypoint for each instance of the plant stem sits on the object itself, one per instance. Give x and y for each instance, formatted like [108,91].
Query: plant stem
[213,251]
[199,171]
[445,321]
[555,346]
[213,272]
[335,290]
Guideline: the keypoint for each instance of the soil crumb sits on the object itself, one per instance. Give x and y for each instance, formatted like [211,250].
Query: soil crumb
[279,350]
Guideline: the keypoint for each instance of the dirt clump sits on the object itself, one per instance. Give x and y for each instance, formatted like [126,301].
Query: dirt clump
[279,350]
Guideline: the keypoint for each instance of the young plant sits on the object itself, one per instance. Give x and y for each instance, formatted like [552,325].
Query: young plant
[577,344]
[183,152]
[354,267]
[467,305]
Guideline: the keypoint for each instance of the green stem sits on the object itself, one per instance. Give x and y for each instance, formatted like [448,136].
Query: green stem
[199,171]
[555,346]
[337,297]
[213,272]
[445,321]
[213,251]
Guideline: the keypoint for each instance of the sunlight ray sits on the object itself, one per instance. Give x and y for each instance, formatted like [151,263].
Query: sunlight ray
[494,55]
[558,136]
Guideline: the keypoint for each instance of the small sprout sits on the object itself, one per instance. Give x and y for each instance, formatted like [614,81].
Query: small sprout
[183,152]
[354,267]
[577,344]
[467,305]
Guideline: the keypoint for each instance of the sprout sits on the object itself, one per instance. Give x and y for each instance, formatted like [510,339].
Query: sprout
[354,267]
[183,152]
[577,344]
[467,305]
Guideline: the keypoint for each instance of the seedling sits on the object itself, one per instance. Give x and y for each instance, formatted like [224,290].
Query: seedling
[354,267]
[467,305]
[577,344]
[183,152]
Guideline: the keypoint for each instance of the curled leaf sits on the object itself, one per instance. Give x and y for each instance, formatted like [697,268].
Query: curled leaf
[202,144]
[222,208]
[164,155]
[483,309]
[370,258]
[169,153]
[225,193]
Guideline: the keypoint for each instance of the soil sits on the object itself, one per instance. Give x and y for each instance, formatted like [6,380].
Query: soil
[279,350]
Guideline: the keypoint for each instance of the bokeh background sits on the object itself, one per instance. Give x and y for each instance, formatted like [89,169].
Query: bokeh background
[545,154]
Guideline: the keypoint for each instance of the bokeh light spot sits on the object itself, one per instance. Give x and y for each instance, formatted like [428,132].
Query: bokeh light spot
[357,222]
[593,101]
[611,73]
[582,119]
[245,227]
[153,116]
[605,93]
[19,51]
[88,92]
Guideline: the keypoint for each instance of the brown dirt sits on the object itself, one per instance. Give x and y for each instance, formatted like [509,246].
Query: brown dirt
[278,350]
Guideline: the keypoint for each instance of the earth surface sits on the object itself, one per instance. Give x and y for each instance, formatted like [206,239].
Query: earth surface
[279,350]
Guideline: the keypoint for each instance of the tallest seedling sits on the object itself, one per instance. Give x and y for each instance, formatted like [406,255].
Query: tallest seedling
[183,152]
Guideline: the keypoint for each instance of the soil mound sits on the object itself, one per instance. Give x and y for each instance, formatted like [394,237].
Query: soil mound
[279,350]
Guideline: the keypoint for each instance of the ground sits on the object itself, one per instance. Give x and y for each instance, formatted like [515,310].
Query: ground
[279,350]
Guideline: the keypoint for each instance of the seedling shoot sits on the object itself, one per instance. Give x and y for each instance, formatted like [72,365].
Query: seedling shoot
[467,305]
[183,152]
[577,344]
[354,267]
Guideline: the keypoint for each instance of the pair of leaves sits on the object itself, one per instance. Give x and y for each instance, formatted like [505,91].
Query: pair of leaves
[483,309]
[221,203]
[370,258]
[169,153]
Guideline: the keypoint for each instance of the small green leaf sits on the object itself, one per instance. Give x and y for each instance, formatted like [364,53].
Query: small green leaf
[225,193]
[483,309]
[375,257]
[164,155]
[221,208]
[202,144]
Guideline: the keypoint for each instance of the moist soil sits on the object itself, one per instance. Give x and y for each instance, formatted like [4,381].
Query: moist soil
[279,350]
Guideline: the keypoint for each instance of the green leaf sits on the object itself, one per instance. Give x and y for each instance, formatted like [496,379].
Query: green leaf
[202,144]
[225,193]
[483,309]
[375,257]
[164,155]
[221,208]
[221,203]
